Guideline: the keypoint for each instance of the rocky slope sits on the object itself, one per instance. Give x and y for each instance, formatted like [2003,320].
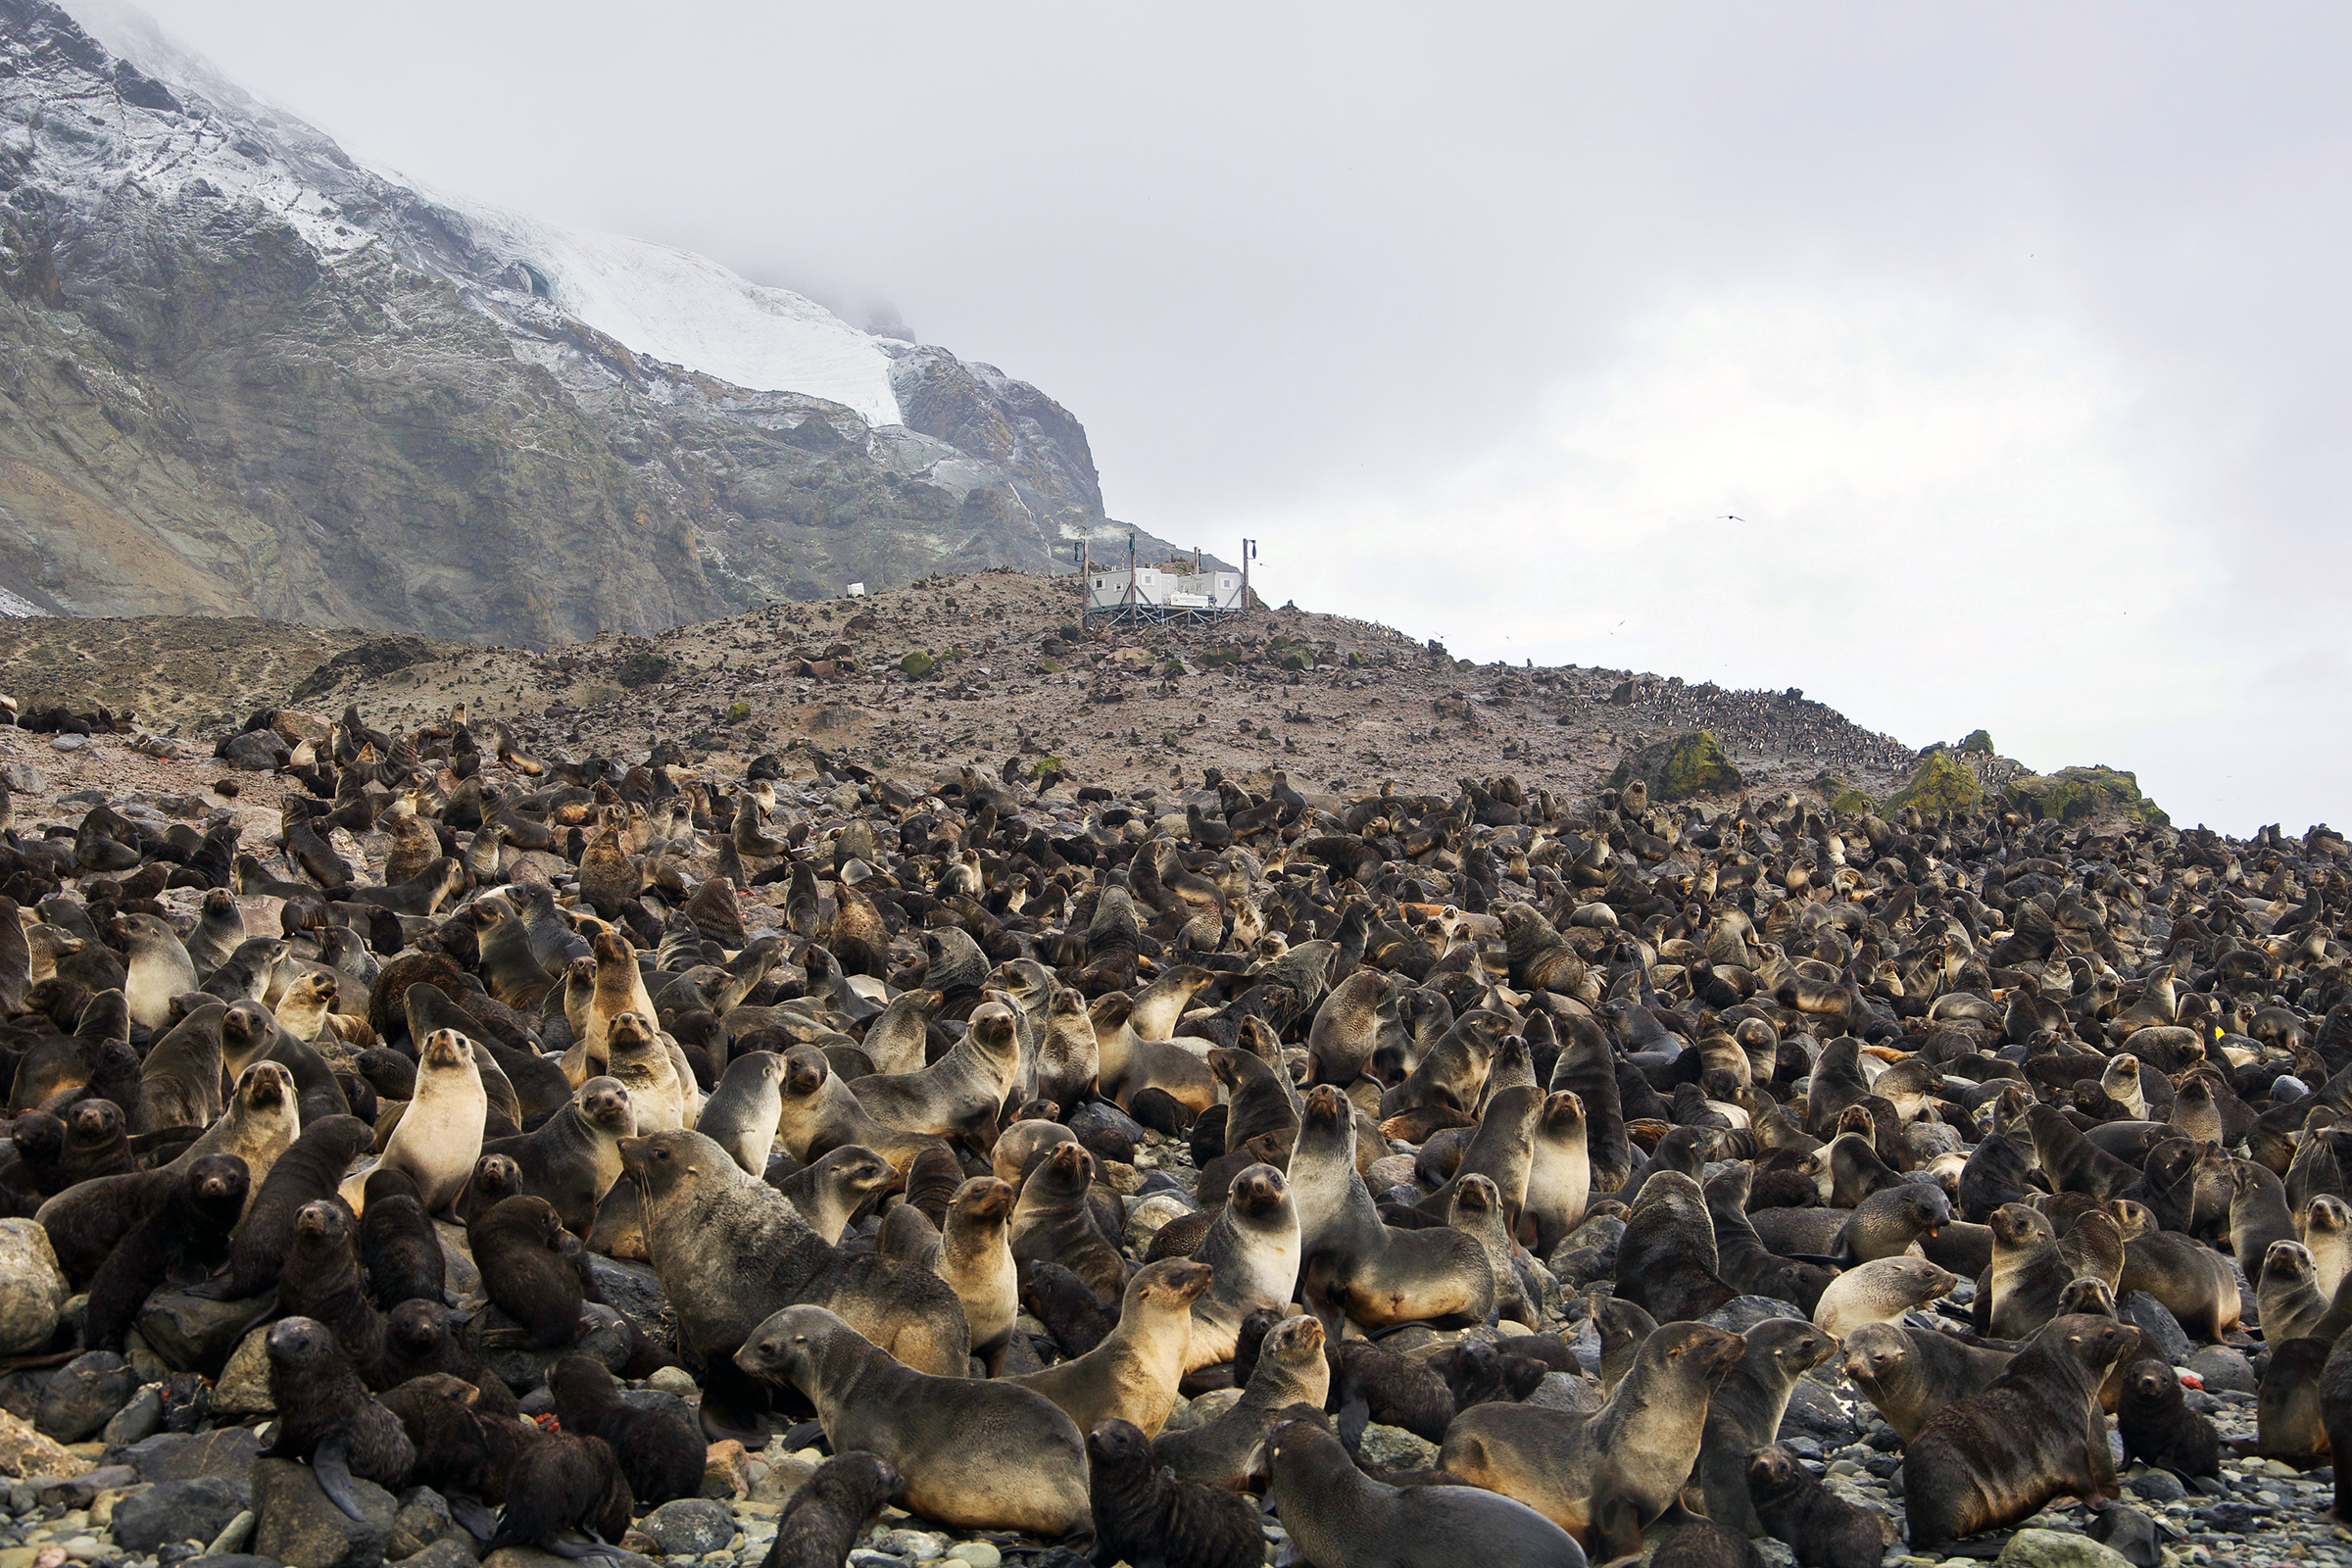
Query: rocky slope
[242,374]
[954,671]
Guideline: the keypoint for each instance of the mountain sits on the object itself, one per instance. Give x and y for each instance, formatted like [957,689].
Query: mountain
[241,374]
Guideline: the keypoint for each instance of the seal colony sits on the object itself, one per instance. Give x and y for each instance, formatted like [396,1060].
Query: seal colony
[1477,1177]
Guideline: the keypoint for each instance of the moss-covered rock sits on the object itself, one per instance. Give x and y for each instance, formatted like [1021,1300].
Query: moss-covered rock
[1979,741]
[916,664]
[1940,783]
[2077,794]
[1841,796]
[1691,764]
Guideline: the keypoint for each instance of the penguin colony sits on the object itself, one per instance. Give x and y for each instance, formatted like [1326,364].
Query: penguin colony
[996,1130]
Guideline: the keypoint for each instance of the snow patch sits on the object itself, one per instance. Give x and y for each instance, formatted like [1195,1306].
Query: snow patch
[686,309]
[19,609]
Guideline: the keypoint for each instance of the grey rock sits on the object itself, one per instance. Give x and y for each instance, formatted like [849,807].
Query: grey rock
[32,1288]
[84,1394]
[690,1526]
[450,1552]
[2058,1548]
[258,751]
[68,743]
[294,1522]
[2224,1370]
[1145,1218]
[1202,1410]
[24,778]
[243,1388]
[198,1509]
[422,1519]
[1744,1312]
[1398,1448]
[2155,1320]
[182,1455]
[606,1342]
[1814,1412]
[141,1418]
[192,1334]
[2157,1485]
[634,1291]
[1564,1391]
[229,1559]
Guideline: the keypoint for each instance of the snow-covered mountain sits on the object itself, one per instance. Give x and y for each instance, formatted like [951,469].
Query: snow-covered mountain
[241,372]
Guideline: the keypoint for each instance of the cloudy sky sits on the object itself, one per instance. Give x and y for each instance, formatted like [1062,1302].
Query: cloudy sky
[1963,367]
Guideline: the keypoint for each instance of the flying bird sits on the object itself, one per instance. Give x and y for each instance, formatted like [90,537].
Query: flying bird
[1728,518]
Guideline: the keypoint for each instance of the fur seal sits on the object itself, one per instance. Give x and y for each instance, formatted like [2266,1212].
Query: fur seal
[1143,1514]
[730,1250]
[833,1191]
[831,1510]
[1559,1174]
[182,1240]
[398,1244]
[326,1416]
[1879,1292]
[1339,1517]
[1605,1477]
[572,1159]
[1354,1265]
[440,1135]
[2157,1425]
[308,1171]
[261,1122]
[2287,1295]
[1666,1260]
[1744,1412]
[525,1257]
[1909,1374]
[1252,1244]
[976,1455]
[2195,1283]
[961,1094]
[742,1114]
[1229,1449]
[661,1453]
[975,1260]
[1824,1531]
[560,1481]
[1132,1375]
[2036,1433]
[2286,1409]
[1057,1219]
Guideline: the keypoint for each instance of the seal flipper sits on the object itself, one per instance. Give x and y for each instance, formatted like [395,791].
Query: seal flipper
[330,1466]
[474,1515]
[1354,1417]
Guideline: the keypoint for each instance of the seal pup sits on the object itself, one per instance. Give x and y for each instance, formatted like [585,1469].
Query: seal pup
[1145,1515]
[1339,1517]
[1602,1478]
[183,1240]
[2157,1425]
[989,1455]
[1352,1264]
[743,1112]
[440,1135]
[1824,1531]
[2038,1433]
[661,1453]
[326,1417]
[1132,1375]
[831,1510]
[572,1159]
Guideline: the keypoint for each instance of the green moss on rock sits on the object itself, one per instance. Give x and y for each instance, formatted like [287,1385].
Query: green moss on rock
[2076,794]
[1940,783]
[1978,741]
[1691,764]
[916,664]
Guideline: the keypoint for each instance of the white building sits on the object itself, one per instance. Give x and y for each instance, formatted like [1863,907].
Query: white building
[1156,588]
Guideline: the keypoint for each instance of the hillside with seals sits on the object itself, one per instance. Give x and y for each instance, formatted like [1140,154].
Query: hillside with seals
[1521,1101]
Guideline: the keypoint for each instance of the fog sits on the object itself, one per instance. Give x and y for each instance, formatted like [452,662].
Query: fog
[1966,367]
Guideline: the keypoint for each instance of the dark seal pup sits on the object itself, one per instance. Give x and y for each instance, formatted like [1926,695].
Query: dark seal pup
[326,1416]
[1824,1530]
[1146,1518]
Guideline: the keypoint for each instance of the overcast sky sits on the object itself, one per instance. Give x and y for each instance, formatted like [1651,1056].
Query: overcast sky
[1965,367]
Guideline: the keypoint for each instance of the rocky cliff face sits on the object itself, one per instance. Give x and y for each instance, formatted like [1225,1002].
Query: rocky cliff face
[239,373]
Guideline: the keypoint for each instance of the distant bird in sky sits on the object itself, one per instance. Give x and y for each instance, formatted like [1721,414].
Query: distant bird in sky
[1728,518]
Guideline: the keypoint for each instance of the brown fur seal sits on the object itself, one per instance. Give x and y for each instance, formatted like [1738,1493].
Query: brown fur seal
[1252,1244]
[1602,1478]
[1666,1260]
[1339,1517]
[1559,1176]
[647,1067]
[1055,1219]
[2287,1295]
[440,1135]
[959,1094]
[2036,1434]
[1879,1292]
[833,1191]
[1745,1413]
[831,1510]
[1132,1375]
[1228,1449]
[2286,1409]
[2157,1425]
[1909,1374]
[1824,1531]
[976,1262]
[1143,1514]
[730,1250]
[742,1114]
[2195,1283]
[1354,1265]
[974,1455]
[818,1114]
[572,1159]
[326,1416]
